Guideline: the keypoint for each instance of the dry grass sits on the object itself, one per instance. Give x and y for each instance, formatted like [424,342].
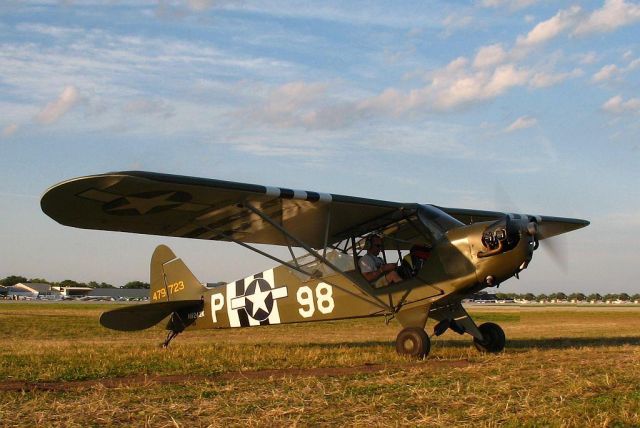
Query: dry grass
[562,367]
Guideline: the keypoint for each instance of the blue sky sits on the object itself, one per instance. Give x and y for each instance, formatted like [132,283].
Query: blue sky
[519,105]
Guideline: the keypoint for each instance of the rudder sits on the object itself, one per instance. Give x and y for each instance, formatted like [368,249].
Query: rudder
[171,279]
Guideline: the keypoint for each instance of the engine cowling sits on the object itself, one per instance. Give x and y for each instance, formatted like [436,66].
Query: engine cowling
[504,234]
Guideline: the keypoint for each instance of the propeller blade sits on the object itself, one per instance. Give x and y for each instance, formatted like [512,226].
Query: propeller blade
[559,252]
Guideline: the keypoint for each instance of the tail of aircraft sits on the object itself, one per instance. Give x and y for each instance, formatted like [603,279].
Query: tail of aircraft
[171,279]
[174,292]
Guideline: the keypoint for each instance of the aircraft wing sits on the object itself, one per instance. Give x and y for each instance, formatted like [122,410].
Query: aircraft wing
[189,207]
[549,226]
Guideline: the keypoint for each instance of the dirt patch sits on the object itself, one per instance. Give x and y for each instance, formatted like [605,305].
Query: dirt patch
[136,381]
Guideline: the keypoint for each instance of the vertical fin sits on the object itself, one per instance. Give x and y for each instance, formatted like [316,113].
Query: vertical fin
[171,279]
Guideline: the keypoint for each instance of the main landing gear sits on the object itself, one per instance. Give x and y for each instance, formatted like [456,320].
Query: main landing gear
[493,338]
[414,341]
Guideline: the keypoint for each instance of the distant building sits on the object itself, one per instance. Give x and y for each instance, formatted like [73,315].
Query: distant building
[73,291]
[484,297]
[116,293]
[31,290]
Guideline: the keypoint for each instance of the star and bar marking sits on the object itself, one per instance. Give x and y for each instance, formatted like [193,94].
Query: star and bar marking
[258,300]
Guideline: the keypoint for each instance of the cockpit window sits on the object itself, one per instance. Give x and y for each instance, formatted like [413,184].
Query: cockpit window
[436,220]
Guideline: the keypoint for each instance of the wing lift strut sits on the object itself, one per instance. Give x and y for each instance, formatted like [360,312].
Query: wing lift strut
[367,291]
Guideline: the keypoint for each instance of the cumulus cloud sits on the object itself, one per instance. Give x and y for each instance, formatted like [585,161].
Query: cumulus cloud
[9,130]
[605,73]
[612,15]
[490,73]
[633,65]
[149,107]
[511,4]
[588,58]
[58,108]
[522,122]
[292,104]
[617,105]
[200,5]
[612,71]
[543,80]
[551,28]
[453,86]
[49,30]
[489,56]
[455,22]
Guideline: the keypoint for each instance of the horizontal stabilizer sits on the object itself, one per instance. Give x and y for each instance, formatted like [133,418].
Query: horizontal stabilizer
[140,317]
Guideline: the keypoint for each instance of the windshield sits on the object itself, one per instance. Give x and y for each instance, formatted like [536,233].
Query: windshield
[436,220]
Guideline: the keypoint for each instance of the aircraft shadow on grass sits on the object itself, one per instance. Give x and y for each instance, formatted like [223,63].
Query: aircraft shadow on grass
[520,344]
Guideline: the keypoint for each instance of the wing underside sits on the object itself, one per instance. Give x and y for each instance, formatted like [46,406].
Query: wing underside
[198,208]
[170,205]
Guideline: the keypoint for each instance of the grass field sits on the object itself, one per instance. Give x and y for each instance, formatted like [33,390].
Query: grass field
[561,367]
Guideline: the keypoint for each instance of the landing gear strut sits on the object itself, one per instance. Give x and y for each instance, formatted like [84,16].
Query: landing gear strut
[169,338]
[493,338]
[175,326]
[413,342]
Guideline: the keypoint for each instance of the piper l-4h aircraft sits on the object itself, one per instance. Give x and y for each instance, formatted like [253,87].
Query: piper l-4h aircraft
[441,255]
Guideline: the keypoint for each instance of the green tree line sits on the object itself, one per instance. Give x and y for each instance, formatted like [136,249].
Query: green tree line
[580,297]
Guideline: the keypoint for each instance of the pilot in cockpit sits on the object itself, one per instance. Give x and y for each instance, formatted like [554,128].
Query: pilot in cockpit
[373,268]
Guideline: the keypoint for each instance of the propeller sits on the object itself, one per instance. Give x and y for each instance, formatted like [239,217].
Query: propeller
[559,252]
[545,228]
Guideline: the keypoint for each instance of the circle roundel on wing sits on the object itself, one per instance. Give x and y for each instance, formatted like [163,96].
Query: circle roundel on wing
[259,308]
[146,203]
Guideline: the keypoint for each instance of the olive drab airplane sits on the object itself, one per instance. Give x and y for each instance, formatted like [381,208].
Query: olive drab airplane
[442,254]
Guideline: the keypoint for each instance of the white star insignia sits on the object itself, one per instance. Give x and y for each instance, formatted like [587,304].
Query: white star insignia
[259,300]
[144,205]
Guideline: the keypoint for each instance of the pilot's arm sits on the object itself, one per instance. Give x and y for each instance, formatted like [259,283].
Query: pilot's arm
[371,273]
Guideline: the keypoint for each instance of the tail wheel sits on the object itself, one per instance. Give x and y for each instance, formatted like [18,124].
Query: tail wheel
[413,342]
[493,338]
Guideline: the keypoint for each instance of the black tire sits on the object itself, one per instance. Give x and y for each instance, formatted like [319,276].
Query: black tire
[494,338]
[413,342]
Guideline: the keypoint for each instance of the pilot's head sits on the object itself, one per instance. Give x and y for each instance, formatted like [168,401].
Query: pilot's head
[374,244]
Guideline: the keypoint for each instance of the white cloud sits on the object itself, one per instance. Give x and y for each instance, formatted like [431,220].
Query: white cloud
[605,73]
[9,130]
[612,71]
[632,65]
[200,5]
[612,15]
[617,105]
[452,86]
[49,30]
[56,109]
[505,77]
[511,4]
[455,22]
[522,122]
[543,80]
[588,58]
[489,56]
[551,28]
[149,107]
[290,105]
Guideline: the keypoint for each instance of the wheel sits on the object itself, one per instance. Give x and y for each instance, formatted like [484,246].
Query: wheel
[494,338]
[413,342]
